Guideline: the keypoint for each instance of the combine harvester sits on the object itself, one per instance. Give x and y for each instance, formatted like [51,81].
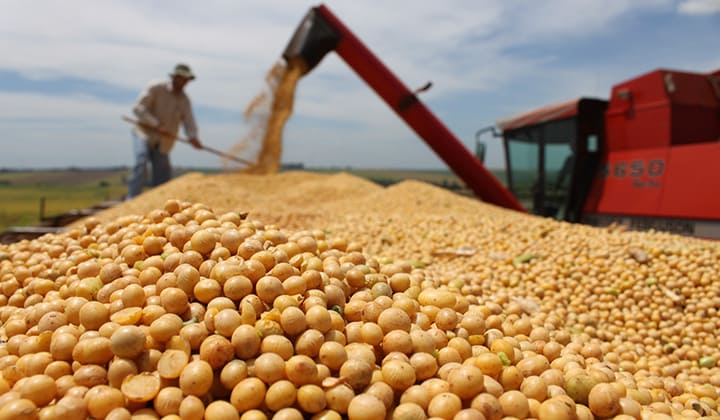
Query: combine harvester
[644,159]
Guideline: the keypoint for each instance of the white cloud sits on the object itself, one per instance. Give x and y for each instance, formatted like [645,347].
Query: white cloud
[231,44]
[699,7]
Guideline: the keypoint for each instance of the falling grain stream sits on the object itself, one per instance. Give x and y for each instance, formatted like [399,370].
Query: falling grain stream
[266,116]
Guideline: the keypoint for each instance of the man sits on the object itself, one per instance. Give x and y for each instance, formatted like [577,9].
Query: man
[161,108]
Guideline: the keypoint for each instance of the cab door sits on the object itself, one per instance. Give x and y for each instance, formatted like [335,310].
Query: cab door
[540,166]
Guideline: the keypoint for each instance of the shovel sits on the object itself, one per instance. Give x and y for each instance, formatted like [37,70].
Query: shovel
[184,140]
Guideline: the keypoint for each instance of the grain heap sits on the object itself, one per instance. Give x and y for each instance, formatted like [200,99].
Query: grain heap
[335,298]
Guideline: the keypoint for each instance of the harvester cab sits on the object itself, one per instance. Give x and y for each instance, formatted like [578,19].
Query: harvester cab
[551,154]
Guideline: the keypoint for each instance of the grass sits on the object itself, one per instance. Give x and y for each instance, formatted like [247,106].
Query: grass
[22,193]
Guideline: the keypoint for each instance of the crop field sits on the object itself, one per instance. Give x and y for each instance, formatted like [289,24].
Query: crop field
[22,193]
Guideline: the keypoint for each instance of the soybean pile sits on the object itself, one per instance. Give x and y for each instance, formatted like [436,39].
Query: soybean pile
[300,295]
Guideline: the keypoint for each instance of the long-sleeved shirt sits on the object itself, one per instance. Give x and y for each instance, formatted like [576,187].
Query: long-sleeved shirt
[160,107]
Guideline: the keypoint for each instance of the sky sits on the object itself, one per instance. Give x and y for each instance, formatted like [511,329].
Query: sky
[71,69]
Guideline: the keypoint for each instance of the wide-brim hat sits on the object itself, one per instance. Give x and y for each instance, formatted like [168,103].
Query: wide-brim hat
[183,70]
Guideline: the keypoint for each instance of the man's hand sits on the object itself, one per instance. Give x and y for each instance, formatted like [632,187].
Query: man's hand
[196,143]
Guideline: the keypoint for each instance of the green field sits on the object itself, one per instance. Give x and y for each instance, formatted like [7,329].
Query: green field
[22,193]
[26,197]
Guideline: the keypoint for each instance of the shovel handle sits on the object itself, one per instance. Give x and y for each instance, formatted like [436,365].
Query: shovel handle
[184,140]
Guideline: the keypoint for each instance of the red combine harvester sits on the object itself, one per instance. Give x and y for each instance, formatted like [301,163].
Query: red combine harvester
[645,159]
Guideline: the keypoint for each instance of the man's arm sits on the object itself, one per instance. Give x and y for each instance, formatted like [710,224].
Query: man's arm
[143,105]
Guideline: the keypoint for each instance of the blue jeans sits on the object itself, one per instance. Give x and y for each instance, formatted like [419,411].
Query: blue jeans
[144,154]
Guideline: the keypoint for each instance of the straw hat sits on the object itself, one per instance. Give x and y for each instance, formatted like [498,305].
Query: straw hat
[183,70]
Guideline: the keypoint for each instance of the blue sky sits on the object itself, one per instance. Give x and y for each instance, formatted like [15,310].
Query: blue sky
[70,70]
